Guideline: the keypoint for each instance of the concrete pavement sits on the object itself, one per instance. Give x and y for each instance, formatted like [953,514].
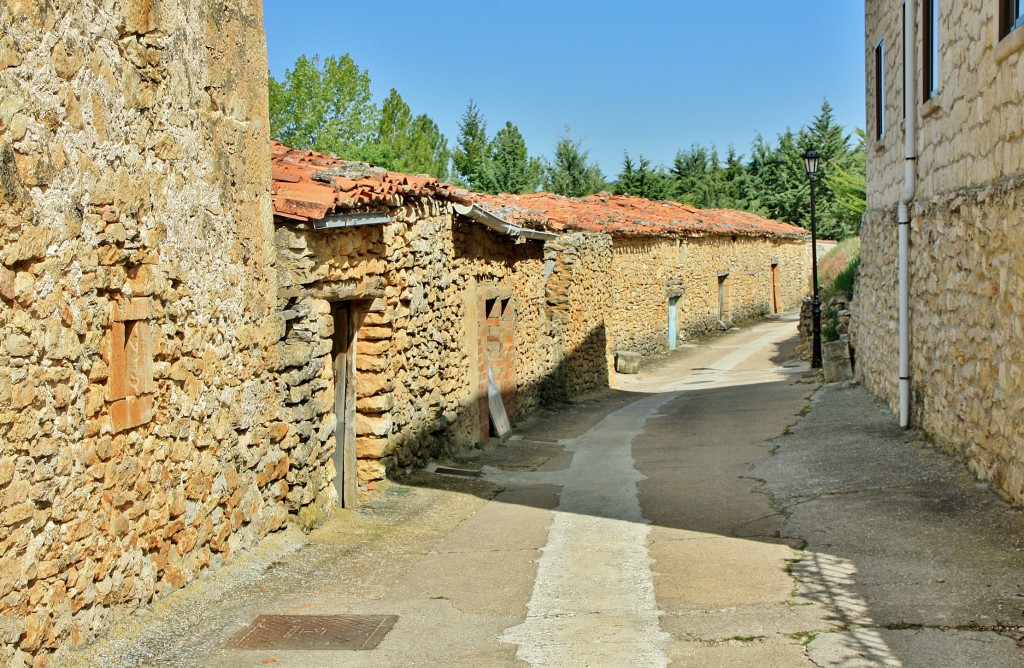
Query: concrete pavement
[709,512]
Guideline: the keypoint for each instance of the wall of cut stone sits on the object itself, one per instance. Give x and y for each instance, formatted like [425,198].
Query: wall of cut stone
[965,312]
[965,285]
[137,399]
[970,132]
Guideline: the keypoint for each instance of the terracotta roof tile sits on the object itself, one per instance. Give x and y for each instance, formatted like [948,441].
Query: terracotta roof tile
[308,185]
[629,216]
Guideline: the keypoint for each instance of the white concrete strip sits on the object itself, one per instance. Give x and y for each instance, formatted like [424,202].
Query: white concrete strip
[593,600]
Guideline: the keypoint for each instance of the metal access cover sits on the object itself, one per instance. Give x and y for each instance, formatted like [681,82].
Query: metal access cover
[313,632]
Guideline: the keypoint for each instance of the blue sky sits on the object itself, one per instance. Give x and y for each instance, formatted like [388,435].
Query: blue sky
[648,77]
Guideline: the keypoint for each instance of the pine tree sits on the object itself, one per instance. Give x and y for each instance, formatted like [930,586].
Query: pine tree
[511,170]
[571,173]
[428,149]
[406,144]
[641,179]
[470,156]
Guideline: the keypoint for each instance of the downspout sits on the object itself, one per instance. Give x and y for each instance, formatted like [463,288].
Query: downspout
[489,220]
[903,212]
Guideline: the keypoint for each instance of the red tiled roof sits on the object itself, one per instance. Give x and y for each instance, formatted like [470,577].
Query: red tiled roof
[309,186]
[629,216]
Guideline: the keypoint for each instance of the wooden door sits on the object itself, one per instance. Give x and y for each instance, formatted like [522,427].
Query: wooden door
[775,288]
[345,479]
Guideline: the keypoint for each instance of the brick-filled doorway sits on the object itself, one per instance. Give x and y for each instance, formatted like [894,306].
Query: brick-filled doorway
[497,345]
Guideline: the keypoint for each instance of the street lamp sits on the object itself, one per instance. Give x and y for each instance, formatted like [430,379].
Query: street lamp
[812,160]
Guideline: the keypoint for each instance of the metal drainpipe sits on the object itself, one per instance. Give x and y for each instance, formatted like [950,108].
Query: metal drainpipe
[903,212]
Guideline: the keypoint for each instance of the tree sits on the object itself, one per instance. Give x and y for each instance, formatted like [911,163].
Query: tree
[510,169]
[324,106]
[849,184]
[470,156]
[428,149]
[699,178]
[641,179]
[406,144]
[571,173]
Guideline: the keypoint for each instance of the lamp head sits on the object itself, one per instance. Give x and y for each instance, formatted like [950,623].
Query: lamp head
[812,160]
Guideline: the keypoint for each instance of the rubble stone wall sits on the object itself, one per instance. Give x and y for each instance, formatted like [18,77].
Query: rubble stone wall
[419,289]
[578,296]
[138,416]
[965,281]
[647,272]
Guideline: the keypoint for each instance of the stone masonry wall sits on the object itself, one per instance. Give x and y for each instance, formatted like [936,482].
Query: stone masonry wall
[642,270]
[137,403]
[578,295]
[967,375]
[316,269]
[647,271]
[971,131]
[965,283]
[419,287]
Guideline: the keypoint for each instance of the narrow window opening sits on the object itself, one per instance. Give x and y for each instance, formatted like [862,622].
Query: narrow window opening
[880,90]
[930,48]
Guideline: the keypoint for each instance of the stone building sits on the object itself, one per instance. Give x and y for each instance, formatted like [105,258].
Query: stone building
[962,191]
[185,312]
[671,271]
[400,299]
[139,431]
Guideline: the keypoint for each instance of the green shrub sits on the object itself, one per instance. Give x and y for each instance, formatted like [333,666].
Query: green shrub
[844,280]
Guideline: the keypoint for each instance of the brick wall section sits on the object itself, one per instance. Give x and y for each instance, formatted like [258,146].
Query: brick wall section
[137,403]
[965,284]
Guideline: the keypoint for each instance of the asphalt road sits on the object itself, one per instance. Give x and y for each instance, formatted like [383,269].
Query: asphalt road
[719,509]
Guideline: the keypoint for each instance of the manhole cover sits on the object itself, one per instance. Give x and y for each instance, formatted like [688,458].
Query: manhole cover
[313,632]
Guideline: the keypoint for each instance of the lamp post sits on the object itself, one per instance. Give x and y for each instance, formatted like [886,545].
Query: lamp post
[812,160]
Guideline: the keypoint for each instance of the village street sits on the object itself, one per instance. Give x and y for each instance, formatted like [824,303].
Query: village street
[719,509]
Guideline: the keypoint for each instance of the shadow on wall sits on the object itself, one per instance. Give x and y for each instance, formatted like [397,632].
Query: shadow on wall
[575,373]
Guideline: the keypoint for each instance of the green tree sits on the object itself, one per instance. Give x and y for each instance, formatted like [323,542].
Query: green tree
[640,179]
[406,144]
[510,168]
[849,184]
[828,138]
[428,149]
[572,173]
[699,178]
[324,105]
[470,155]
